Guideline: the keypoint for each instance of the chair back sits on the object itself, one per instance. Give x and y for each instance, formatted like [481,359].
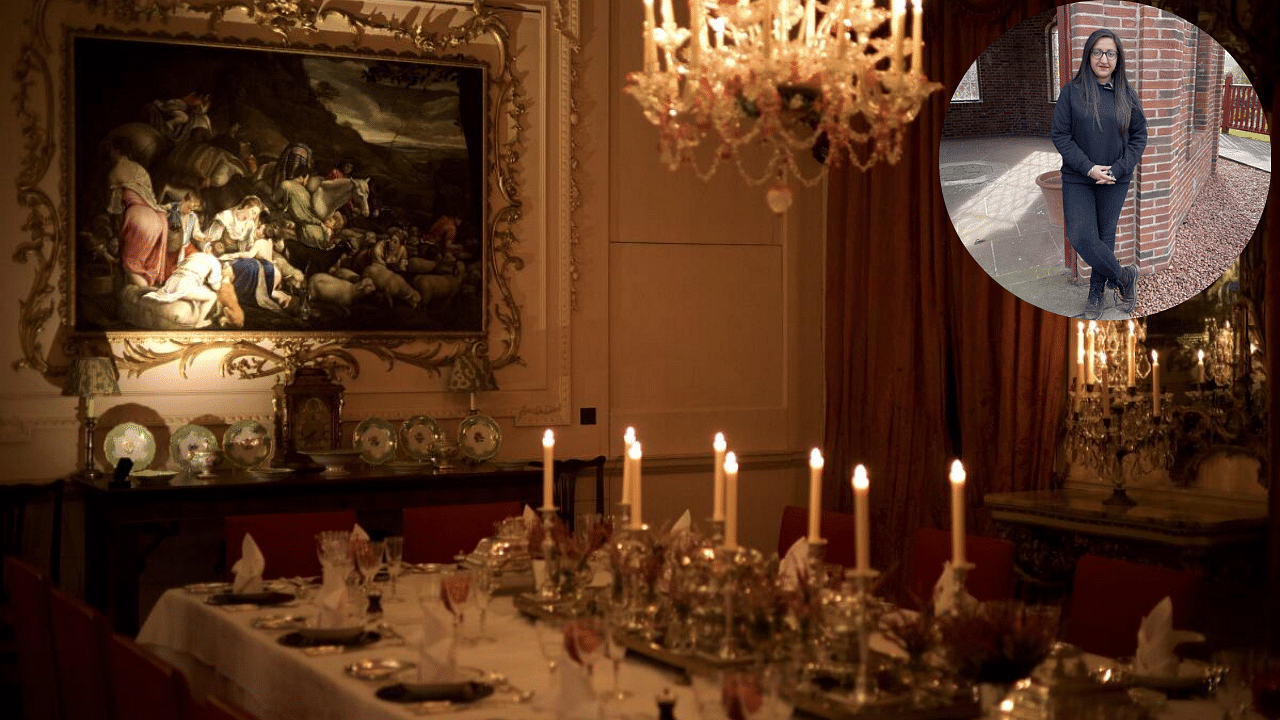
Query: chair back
[437,533]
[837,529]
[14,500]
[80,652]
[29,600]
[1109,598]
[991,578]
[287,540]
[143,685]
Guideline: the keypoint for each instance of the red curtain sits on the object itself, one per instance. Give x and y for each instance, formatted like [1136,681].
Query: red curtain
[927,357]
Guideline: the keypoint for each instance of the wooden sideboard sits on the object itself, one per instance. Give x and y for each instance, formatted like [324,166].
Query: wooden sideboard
[124,525]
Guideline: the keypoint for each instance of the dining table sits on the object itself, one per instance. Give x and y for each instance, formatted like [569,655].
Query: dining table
[222,650]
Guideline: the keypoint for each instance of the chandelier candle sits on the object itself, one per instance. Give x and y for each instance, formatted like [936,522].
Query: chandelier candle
[628,439]
[633,457]
[1200,367]
[815,495]
[1155,383]
[957,513]
[1089,377]
[1080,379]
[917,56]
[1106,386]
[717,500]
[862,518]
[731,501]
[548,472]
[1132,360]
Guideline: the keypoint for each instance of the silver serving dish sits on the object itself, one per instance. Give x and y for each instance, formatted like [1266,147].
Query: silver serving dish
[378,669]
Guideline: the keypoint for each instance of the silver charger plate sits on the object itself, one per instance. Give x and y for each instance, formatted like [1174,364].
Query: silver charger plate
[376,440]
[378,668]
[130,440]
[418,434]
[188,439]
[479,437]
[247,444]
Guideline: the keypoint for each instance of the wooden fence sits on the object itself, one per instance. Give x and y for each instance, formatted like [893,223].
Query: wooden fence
[1241,109]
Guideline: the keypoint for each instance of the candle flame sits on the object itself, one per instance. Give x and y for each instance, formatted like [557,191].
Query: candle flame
[1093,326]
[1102,357]
[720,445]
[1201,356]
[548,439]
[731,463]
[634,451]
[629,436]
[915,5]
[1155,357]
[815,459]
[1131,327]
[860,481]
[957,471]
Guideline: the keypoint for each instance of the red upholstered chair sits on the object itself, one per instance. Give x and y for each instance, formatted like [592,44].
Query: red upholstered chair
[143,685]
[29,598]
[437,533]
[837,529]
[80,651]
[287,540]
[1109,598]
[990,579]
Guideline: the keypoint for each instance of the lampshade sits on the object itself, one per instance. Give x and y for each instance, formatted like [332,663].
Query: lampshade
[91,376]
[472,372]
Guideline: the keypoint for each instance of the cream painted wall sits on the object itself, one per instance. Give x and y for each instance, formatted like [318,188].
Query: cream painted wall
[697,311]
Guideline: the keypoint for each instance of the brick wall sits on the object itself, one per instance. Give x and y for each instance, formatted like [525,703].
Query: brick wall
[1013,81]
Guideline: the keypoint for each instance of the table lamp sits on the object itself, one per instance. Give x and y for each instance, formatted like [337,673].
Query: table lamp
[472,373]
[87,378]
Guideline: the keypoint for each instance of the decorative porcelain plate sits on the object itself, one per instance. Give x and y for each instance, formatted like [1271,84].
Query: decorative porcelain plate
[376,441]
[130,440]
[418,434]
[247,444]
[479,437]
[188,439]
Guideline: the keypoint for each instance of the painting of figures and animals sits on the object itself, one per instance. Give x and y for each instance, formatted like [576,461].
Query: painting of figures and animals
[223,189]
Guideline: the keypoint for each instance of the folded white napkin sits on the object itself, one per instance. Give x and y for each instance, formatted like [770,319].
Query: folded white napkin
[1156,640]
[434,642]
[358,533]
[332,603]
[576,700]
[682,524]
[795,564]
[249,567]
[530,517]
[947,593]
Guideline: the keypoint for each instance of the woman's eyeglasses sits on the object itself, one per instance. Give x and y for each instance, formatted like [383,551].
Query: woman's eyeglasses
[1109,54]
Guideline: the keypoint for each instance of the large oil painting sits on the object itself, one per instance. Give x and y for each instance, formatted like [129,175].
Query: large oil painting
[227,189]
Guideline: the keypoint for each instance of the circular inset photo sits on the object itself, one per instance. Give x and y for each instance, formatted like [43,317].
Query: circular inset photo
[1105,160]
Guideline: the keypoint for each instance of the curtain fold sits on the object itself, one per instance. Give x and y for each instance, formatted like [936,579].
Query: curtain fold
[927,358]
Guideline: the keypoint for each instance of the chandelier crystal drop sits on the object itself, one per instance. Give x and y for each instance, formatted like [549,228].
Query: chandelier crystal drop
[835,80]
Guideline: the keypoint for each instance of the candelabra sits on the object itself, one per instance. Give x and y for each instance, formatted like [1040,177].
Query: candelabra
[1120,437]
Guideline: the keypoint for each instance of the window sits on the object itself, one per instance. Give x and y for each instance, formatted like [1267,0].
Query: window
[968,89]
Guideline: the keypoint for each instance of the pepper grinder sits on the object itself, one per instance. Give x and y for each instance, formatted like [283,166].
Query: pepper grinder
[666,705]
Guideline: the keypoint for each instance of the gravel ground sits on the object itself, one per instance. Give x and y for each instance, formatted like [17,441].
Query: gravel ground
[1219,225]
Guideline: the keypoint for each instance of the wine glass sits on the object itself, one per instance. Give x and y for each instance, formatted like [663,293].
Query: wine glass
[455,591]
[584,642]
[551,645]
[394,548]
[368,556]
[482,581]
[615,650]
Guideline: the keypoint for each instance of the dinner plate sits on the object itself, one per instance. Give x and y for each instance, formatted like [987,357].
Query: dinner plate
[247,444]
[260,598]
[479,437]
[463,692]
[418,434]
[376,440]
[279,622]
[306,639]
[378,668]
[188,439]
[130,440]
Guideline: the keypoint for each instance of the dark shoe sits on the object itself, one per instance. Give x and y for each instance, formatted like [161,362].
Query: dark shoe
[1093,306]
[1127,292]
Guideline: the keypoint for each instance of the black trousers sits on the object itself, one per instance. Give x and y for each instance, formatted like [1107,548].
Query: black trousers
[1091,213]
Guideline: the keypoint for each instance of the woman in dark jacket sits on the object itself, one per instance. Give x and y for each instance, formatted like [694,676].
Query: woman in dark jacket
[1100,131]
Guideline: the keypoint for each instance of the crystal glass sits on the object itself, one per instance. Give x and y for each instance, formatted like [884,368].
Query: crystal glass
[614,619]
[394,548]
[551,645]
[482,585]
[584,642]
[1231,691]
[368,557]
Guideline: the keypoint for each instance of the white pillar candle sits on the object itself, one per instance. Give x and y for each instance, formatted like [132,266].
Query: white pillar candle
[896,20]
[650,42]
[1080,378]
[1089,377]
[634,455]
[1132,359]
[810,20]
[861,519]
[548,471]
[697,31]
[957,512]
[1106,385]
[628,439]
[815,495]
[731,500]
[88,406]
[917,39]
[1200,366]
[1155,383]
[717,499]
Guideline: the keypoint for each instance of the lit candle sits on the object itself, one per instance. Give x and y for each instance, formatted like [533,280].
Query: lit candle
[697,30]
[815,495]
[88,406]
[628,438]
[634,454]
[1106,384]
[862,518]
[1080,356]
[731,500]
[1200,367]
[917,38]
[957,512]
[1132,360]
[650,43]
[548,471]
[717,501]
[899,10]
[1155,383]
[717,24]
[810,20]
[1089,377]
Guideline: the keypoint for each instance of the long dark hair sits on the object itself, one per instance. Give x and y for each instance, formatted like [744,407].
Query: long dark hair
[1086,82]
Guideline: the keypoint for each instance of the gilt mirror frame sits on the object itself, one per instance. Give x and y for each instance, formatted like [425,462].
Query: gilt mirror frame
[470,32]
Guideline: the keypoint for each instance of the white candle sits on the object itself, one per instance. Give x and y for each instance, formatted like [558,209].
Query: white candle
[697,30]
[862,519]
[917,38]
[1080,380]
[88,406]
[717,499]
[815,495]
[1155,383]
[1106,385]
[1133,338]
[650,44]
[898,17]
[548,470]
[957,512]
[628,439]
[810,20]
[634,455]
[731,500]
[717,24]
[1200,367]
[1089,377]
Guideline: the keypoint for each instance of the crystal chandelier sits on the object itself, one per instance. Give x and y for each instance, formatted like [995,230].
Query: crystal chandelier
[827,78]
